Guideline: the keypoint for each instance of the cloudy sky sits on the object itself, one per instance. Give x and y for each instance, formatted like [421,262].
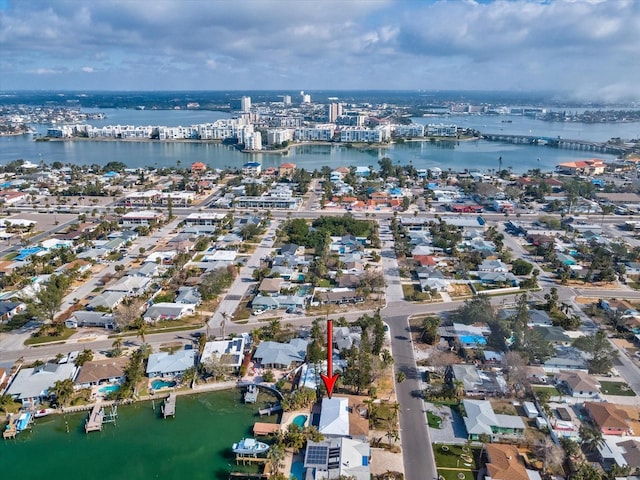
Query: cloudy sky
[589,48]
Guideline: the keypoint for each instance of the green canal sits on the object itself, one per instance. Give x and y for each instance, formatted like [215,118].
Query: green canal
[196,444]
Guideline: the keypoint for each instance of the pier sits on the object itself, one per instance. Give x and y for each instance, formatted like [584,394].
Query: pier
[251,395]
[94,422]
[270,410]
[169,406]
[10,430]
[97,418]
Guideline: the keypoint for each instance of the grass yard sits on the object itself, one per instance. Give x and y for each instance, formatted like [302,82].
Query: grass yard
[413,292]
[453,474]
[66,333]
[450,457]
[553,391]
[616,388]
[434,420]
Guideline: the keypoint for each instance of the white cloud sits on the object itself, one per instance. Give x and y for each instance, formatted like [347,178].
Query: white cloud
[88,69]
[581,46]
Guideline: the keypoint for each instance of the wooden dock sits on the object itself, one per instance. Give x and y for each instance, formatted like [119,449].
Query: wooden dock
[96,417]
[270,410]
[251,395]
[244,459]
[169,406]
[10,430]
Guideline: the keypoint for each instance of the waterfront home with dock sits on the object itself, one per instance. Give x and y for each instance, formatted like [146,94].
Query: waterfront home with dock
[164,364]
[31,385]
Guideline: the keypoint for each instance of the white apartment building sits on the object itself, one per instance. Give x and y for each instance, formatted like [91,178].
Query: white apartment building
[363,134]
[318,133]
[178,199]
[143,199]
[286,100]
[335,111]
[441,130]
[143,217]
[279,135]
[253,141]
[245,104]
[204,218]
[412,130]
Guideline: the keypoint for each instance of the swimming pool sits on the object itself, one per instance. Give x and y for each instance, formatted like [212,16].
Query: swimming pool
[300,420]
[473,340]
[297,470]
[158,384]
[109,389]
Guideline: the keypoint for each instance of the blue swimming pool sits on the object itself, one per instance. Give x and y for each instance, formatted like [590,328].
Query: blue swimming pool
[158,384]
[300,420]
[297,471]
[109,389]
[473,340]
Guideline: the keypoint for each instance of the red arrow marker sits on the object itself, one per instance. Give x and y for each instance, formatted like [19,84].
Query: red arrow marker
[329,379]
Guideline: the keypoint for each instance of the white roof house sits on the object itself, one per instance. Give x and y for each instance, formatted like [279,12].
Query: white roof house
[168,311]
[481,419]
[230,352]
[281,355]
[165,364]
[334,417]
[31,385]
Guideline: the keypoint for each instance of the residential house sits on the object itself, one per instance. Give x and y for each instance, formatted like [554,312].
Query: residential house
[610,419]
[229,353]
[334,417]
[579,384]
[496,266]
[168,311]
[497,278]
[345,337]
[504,463]
[188,296]
[108,300]
[9,309]
[594,166]
[251,169]
[97,372]
[286,169]
[165,364]
[480,420]
[335,458]
[281,355]
[130,286]
[554,335]
[85,318]
[31,385]
[622,453]
[270,285]
[338,297]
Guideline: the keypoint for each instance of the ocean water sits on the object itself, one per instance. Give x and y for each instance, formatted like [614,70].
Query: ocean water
[196,444]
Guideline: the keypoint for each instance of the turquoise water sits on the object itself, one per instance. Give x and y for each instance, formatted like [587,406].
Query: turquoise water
[158,384]
[109,388]
[297,471]
[300,420]
[196,444]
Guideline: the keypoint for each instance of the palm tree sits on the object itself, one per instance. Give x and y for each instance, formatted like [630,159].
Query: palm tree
[63,390]
[591,436]
[117,347]
[143,329]
[225,317]
[275,455]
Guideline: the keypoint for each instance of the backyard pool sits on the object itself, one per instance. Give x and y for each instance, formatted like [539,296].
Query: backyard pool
[109,389]
[158,384]
[300,420]
[297,471]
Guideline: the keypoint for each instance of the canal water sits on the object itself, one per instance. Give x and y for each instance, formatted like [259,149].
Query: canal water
[196,444]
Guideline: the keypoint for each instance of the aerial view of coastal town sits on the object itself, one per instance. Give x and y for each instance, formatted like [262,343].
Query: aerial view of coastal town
[341,240]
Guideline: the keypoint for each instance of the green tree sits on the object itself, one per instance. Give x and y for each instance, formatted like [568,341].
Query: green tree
[63,391]
[85,356]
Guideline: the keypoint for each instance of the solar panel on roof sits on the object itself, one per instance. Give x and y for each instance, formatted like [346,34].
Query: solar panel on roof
[316,455]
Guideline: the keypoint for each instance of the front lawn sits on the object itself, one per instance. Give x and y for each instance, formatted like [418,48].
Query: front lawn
[552,391]
[616,388]
[434,420]
[453,474]
[450,456]
[66,333]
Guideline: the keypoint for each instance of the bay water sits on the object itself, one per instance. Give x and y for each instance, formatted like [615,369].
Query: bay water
[196,444]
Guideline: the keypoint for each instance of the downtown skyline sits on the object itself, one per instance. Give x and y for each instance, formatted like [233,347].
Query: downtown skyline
[586,50]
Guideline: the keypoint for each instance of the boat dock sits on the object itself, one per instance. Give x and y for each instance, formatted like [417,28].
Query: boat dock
[251,395]
[264,429]
[10,431]
[169,406]
[96,417]
[250,459]
[270,410]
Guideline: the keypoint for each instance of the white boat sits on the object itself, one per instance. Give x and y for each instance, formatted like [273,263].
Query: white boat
[249,446]
[44,412]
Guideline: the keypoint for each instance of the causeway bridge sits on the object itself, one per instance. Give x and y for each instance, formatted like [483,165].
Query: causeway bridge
[559,142]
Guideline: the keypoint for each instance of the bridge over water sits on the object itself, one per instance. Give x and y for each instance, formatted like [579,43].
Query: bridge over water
[558,142]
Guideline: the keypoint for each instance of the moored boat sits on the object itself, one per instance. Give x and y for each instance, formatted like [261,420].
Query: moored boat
[44,412]
[249,446]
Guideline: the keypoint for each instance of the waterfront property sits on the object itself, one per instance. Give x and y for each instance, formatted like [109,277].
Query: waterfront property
[165,364]
[31,385]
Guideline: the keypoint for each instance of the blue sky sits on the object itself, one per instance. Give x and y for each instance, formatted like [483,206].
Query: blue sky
[589,49]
